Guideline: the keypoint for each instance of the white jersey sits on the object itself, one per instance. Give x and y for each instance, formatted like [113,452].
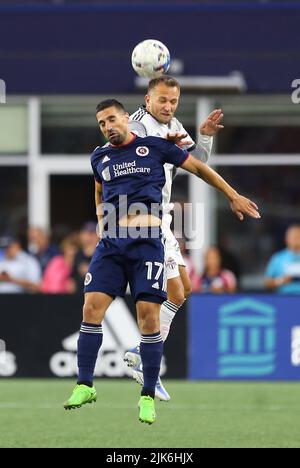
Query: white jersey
[143,124]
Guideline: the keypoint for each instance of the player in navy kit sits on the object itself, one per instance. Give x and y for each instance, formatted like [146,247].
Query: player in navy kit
[131,168]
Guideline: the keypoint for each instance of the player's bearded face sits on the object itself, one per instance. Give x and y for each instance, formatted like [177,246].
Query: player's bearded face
[114,125]
[162,102]
[115,136]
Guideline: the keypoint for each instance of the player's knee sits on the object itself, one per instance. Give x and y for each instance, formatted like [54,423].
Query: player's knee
[148,322]
[187,285]
[149,325]
[92,313]
[188,291]
[177,297]
[176,291]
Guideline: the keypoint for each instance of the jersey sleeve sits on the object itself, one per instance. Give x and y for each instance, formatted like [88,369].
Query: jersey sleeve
[172,154]
[202,150]
[95,172]
[190,147]
[138,128]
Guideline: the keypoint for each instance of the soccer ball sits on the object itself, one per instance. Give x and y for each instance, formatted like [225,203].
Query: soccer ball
[150,58]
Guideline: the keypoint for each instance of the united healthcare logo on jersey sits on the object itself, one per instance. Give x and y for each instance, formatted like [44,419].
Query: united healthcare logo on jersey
[247,339]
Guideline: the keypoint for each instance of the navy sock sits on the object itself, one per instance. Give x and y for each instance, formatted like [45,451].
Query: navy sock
[88,345]
[151,349]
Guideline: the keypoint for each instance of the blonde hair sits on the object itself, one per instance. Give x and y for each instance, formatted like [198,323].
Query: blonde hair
[164,79]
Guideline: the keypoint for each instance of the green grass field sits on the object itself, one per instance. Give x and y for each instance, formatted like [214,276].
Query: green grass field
[199,415]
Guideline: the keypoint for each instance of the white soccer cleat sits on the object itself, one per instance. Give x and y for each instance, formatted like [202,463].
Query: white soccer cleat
[160,391]
[132,357]
[137,375]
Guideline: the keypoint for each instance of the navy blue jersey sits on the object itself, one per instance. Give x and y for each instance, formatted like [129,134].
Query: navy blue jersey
[135,170]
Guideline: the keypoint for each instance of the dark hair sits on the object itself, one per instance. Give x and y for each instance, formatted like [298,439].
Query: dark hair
[164,79]
[109,103]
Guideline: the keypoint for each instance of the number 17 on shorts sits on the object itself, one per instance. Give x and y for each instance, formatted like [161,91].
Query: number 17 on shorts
[156,273]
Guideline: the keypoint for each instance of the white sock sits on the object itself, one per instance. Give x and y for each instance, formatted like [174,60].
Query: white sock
[167,313]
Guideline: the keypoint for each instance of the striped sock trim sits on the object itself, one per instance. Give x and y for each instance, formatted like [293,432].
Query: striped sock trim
[91,328]
[171,306]
[154,338]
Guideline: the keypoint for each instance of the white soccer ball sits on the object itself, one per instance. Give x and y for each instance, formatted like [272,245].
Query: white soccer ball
[150,58]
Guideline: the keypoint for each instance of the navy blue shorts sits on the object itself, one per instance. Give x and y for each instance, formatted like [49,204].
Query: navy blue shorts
[139,262]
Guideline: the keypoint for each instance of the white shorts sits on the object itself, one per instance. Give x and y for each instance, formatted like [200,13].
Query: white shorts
[173,257]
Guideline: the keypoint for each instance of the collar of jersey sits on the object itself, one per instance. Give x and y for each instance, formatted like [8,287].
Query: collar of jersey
[126,144]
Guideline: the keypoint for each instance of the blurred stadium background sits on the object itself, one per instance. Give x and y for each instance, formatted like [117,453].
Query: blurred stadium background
[58,59]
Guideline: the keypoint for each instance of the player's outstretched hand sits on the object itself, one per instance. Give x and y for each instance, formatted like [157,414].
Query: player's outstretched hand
[242,205]
[212,124]
[178,139]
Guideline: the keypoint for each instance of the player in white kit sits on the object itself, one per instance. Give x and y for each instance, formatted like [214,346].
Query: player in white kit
[156,118]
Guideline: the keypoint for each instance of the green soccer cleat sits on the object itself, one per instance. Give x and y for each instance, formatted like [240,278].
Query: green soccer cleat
[147,410]
[81,395]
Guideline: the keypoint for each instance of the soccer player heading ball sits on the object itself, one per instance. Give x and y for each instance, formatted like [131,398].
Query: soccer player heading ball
[156,118]
[119,168]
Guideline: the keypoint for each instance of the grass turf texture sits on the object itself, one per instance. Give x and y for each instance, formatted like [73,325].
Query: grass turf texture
[199,415]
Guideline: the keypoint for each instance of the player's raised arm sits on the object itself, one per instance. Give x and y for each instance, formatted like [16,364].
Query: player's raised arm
[240,205]
[208,129]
